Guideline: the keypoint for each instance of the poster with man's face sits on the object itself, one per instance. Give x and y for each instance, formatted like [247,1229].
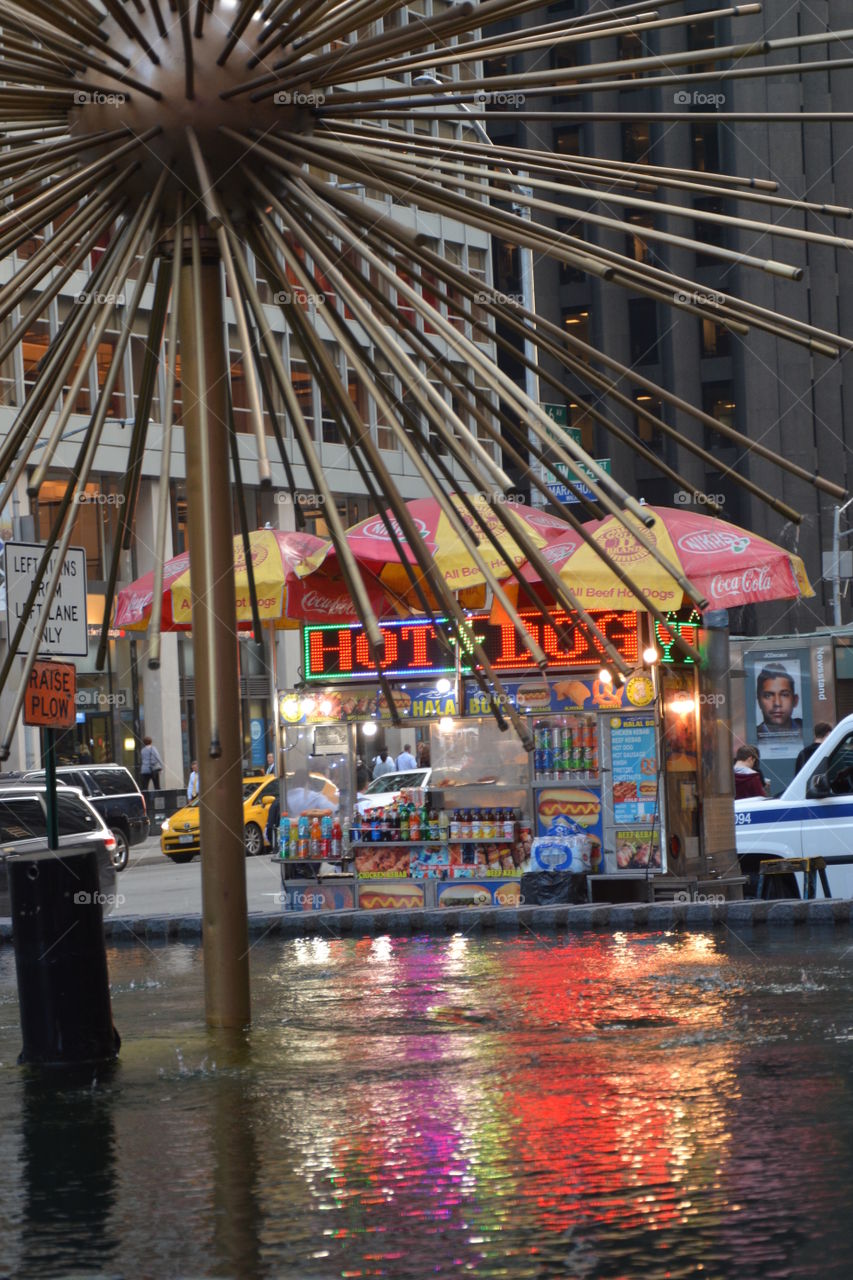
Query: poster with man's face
[778,708]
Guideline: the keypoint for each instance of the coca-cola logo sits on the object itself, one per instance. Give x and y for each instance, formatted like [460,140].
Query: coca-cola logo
[711,542]
[753,581]
[327,604]
[376,529]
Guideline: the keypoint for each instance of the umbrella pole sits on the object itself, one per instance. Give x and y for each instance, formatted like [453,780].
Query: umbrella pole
[214,620]
[276,727]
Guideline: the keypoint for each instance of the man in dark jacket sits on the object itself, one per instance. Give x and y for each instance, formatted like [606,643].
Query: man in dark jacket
[821,730]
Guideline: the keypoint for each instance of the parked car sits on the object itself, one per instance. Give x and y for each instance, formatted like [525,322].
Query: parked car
[180,834]
[813,817]
[382,791]
[23,829]
[112,791]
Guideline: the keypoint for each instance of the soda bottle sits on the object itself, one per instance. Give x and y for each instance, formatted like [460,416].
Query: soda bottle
[337,839]
[476,825]
[433,825]
[454,825]
[443,826]
[304,836]
[326,835]
[315,837]
[404,821]
[283,836]
[414,825]
[355,828]
[376,824]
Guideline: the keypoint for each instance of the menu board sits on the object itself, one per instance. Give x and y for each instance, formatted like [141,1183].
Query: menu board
[633,761]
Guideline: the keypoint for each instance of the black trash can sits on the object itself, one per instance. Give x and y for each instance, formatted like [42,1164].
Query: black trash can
[60,957]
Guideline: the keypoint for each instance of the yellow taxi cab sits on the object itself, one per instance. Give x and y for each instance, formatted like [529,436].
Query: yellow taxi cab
[179,835]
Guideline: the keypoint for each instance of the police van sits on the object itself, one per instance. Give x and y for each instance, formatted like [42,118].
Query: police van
[813,817]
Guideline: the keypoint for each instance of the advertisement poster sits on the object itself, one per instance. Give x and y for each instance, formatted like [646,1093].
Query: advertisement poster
[638,850]
[319,897]
[778,701]
[570,810]
[633,761]
[478,893]
[390,896]
[533,697]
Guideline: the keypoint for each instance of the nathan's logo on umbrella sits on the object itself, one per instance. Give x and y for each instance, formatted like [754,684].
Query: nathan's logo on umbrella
[711,542]
[376,529]
[558,551]
[621,545]
[259,555]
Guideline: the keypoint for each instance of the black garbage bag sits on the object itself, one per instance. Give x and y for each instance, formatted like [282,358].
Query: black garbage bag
[542,888]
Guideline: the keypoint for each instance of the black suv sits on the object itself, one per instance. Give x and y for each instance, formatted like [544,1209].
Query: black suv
[113,793]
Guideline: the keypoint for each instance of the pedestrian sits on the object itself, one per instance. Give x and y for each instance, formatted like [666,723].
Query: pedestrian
[273,820]
[362,774]
[150,765]
[271,769]
[405,760]
[192,785]
[423,755]
[383,764]
[821,731]
[748,780]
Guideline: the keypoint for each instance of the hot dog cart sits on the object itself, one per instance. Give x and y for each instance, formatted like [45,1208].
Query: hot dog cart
[614,781]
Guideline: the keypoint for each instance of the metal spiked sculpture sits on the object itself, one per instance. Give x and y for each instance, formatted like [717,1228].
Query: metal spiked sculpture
[188,132]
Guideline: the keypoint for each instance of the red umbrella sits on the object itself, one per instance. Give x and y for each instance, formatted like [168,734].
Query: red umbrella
[371,544]
[284,598]
[728,564]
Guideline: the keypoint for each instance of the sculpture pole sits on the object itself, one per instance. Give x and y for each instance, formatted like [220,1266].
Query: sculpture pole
[214,623]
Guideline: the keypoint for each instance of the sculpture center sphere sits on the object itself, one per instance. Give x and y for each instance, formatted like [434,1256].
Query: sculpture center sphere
[114,105]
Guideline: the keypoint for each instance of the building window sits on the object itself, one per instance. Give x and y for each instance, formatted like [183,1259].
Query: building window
[567,140]
[710,233]
[570,274]
[637,244]
[646,431]
[643,330]
[385,437]
[636,142]
[576,320]
[94,520]
[706,148]
[718,401]
[716,339]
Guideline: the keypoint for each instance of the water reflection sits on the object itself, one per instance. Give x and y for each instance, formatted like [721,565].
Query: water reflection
[599,1106]
[68,1165]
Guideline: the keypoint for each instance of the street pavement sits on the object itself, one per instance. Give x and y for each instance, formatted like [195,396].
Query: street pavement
[152,885]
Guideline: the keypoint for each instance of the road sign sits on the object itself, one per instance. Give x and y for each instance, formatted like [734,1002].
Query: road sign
[564,494]
[64,634]
[50,700]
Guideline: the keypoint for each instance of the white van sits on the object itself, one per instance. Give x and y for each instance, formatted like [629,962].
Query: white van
[813,817]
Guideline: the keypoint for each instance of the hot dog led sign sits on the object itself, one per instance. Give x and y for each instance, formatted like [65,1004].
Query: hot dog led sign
[412,648]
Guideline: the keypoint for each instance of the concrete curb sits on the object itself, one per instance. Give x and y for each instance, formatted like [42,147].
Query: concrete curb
[630,917]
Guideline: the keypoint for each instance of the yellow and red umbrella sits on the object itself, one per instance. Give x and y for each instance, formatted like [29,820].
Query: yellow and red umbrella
[728,565]
[371,544]
[284,597]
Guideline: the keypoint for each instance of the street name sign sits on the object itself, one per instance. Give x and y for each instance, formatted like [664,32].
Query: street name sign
[65,634]
[563,494]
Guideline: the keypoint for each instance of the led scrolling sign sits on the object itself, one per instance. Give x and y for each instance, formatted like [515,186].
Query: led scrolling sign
[412,647]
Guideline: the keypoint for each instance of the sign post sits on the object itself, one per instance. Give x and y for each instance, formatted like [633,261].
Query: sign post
[50,703]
